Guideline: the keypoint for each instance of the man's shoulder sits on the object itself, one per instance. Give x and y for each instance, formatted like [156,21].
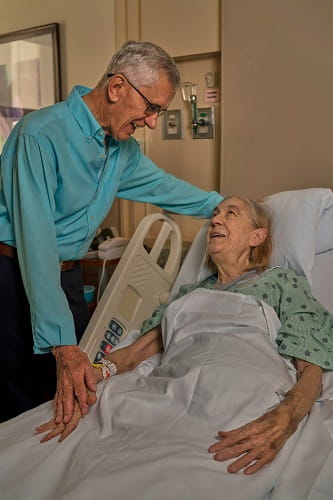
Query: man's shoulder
[40,121]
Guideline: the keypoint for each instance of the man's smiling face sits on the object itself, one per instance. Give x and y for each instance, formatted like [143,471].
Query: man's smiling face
[129,112]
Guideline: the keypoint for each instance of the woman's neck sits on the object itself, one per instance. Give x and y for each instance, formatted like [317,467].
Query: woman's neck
[226,273]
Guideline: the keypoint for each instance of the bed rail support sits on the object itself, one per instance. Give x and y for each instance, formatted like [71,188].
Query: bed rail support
[138,285]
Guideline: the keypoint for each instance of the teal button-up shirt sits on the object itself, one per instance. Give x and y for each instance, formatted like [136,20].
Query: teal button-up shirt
[58,181]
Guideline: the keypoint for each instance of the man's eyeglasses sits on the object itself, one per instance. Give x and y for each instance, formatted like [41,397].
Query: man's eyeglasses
[151,108]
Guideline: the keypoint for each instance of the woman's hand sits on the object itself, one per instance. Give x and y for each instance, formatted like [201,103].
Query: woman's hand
[256,443]
[55,429]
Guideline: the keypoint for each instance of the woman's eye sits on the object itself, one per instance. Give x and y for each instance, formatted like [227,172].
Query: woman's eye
[231,212]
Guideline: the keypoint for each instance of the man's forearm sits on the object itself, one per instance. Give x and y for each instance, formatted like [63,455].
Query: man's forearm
[59,349]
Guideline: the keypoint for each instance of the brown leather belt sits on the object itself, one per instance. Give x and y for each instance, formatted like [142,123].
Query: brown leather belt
[67,265]
[8,251]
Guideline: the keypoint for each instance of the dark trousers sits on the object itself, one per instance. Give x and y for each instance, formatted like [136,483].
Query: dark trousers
[28,379]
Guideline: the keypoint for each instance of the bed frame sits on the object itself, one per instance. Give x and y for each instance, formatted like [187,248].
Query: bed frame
[141,282]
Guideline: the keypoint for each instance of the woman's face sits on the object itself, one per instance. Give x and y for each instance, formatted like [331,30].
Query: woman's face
[231,230]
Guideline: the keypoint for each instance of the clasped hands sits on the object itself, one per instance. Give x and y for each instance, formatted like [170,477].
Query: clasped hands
[76,389]
[77,379]
[76,392]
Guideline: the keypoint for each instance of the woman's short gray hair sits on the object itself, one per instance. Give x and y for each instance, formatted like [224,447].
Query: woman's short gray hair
[141,63]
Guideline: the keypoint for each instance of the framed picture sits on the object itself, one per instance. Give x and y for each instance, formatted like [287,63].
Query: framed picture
[29,73]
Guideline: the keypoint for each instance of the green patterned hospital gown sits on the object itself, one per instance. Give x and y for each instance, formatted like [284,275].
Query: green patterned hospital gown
[306,327]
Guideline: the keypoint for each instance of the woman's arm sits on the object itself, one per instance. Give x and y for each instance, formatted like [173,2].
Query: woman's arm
[131,356]
[128,358]
[125,359]
[258,442]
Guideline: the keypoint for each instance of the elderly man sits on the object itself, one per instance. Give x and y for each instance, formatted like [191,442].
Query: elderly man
[61,169]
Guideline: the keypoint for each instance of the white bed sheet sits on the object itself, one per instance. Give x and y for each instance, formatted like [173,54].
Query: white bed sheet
[140,460]
[147,437]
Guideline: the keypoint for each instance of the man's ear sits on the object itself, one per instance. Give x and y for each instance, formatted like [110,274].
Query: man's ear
[116,87]
[258,237]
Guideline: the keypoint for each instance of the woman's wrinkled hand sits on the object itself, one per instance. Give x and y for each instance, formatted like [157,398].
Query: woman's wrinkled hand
[256,443]
[63,429]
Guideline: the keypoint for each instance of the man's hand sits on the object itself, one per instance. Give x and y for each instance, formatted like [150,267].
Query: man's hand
[75,376]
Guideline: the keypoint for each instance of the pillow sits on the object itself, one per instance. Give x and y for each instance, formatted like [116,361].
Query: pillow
[299,227]
[325,229]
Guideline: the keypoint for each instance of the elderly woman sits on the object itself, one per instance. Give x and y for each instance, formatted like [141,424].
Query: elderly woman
[239,248]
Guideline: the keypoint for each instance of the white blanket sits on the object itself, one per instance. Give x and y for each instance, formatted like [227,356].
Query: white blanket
[147,437]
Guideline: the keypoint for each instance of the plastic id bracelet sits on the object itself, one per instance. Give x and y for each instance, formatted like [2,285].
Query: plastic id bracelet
[108,368]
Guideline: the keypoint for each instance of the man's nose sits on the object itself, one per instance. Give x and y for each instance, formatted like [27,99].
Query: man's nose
[151,121]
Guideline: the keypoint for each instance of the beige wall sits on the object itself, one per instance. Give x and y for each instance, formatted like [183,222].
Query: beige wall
[190,31]
[182,27]
[87,34]
[277,89]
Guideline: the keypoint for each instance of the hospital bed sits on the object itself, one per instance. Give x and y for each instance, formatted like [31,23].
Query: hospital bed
[302,228]
[137,441]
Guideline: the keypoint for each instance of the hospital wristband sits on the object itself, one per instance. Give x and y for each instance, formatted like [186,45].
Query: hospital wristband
[108,368]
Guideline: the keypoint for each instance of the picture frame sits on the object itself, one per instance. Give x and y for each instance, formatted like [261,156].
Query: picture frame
[29,73]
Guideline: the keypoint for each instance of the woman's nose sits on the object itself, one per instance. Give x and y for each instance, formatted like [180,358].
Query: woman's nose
[216,219]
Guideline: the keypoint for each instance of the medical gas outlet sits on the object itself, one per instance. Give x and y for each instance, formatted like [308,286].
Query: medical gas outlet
[204,127]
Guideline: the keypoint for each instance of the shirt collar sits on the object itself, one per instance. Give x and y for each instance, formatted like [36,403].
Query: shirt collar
[82,114]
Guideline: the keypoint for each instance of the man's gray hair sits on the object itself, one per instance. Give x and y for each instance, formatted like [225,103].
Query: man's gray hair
[141,63]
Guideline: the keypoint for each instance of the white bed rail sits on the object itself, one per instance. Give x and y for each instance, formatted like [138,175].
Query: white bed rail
[138,285]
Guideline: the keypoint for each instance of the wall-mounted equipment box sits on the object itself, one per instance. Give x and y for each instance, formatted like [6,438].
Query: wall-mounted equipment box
[206,124]
[172,124]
